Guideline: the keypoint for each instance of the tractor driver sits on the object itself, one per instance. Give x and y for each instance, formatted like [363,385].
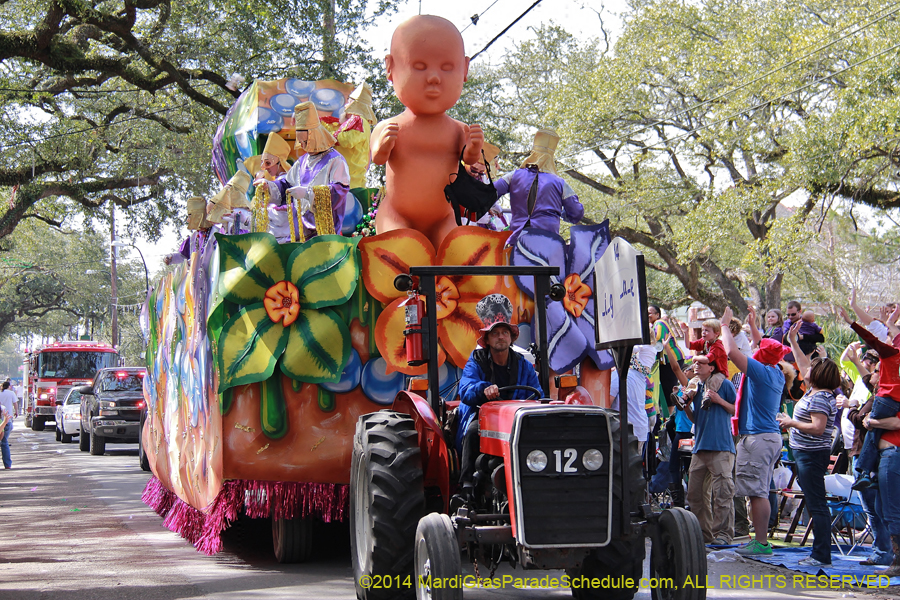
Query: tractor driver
[491,366]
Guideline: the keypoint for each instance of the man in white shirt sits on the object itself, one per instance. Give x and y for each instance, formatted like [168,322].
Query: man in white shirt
[8,406]
[636,388]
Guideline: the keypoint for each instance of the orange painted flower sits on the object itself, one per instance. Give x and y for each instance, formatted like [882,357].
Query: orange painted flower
[577,295]
[386,255]
[282,301]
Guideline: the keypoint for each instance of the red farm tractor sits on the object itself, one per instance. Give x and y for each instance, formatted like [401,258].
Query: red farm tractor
[558,485]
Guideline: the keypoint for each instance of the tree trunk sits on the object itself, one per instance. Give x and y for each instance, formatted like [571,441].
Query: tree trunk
[329,59]
[773,293]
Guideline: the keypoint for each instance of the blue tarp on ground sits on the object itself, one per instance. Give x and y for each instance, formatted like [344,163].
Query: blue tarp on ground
[841,565]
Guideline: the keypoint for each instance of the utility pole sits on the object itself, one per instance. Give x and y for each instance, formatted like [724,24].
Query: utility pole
[114,309]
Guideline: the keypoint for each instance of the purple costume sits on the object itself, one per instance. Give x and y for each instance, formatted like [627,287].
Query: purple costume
[328,168]
[554,200]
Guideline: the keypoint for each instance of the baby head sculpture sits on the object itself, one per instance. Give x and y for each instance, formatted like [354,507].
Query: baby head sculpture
[422,146]
[427,64]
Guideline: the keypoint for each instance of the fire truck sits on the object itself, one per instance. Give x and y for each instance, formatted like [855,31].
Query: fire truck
[52,370]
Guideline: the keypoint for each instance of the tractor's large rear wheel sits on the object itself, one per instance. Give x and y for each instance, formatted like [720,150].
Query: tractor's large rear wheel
[682,557]
[623,558]
[292,539]
[387,499]
[437,559]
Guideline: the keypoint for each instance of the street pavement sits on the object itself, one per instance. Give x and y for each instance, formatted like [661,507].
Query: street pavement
[73,527]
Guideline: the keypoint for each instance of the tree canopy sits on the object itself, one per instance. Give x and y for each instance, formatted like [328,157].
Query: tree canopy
[715,133]
[117,101]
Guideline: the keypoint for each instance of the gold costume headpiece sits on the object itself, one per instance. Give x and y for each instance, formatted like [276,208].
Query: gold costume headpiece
[306,118]
[545,142]
[361,103]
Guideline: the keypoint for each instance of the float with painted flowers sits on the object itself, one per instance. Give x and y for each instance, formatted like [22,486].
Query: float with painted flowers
[262,355]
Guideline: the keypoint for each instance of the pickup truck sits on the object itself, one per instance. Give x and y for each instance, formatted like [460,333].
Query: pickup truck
[111,408]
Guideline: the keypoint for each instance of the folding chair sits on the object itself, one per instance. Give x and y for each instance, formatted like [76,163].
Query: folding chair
[847,518]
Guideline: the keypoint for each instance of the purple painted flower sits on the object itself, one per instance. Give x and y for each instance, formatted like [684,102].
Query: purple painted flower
[570,322]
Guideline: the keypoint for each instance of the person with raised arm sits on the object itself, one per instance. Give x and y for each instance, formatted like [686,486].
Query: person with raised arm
[887,397]
[759,446]
[811,432]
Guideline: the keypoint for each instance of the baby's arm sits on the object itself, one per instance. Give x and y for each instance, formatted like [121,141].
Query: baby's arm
[474,141]
[384,136]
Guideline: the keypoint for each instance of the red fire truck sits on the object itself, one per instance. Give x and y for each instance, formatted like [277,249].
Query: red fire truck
[52,370]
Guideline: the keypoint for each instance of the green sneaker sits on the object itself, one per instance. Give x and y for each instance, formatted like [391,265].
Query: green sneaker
[754,548]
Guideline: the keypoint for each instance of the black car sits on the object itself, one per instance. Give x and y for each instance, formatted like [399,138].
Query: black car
[111,408]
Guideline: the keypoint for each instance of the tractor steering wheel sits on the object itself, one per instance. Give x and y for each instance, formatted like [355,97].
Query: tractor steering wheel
[536,393]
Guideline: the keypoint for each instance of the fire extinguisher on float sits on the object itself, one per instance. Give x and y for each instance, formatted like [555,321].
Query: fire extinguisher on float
[414,332]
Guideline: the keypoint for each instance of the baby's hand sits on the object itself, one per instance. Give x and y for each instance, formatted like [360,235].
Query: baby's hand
[474,144]
[384,142]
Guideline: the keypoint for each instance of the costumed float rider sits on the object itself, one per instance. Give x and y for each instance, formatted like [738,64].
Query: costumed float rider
[225,212]
[353,133]
[538,196]
[491,366]
[199,228]
[230,208]
[272,163]
[317,184]
[494,219]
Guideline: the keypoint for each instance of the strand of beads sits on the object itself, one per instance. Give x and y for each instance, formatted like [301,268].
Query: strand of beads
[366,226]
[260,210]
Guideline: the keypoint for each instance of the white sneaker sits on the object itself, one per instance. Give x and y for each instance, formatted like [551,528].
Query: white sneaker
[812,562]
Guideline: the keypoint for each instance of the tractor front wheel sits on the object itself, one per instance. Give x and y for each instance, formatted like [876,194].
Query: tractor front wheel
[387,499]
[437,559]
[681,559]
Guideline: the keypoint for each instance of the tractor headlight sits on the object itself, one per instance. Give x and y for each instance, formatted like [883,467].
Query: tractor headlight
[536,461]
[592,459]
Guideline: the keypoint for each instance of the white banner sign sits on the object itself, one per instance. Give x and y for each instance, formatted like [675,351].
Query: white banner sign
[620,296]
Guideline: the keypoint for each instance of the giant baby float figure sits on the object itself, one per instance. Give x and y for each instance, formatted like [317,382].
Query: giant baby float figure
[318,182]
[538,196]
[422,145]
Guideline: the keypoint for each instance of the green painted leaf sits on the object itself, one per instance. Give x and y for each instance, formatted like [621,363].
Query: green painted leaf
[325,270]
[249,264]
[318,347]
[273,416]
[226,399]
[326,400]
[248,347]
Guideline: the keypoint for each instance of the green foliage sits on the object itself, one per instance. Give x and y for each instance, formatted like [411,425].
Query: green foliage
[691,140]
[57,284]
[116,101]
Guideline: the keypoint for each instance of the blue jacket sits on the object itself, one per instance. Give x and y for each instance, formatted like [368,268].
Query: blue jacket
[478,375]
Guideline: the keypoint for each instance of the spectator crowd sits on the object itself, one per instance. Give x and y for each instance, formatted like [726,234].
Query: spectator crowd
[762,394]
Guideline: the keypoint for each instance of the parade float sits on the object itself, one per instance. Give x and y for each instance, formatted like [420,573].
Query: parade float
[261,356]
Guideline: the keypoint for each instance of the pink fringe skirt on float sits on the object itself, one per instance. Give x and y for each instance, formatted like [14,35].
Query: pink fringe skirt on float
[257,499]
